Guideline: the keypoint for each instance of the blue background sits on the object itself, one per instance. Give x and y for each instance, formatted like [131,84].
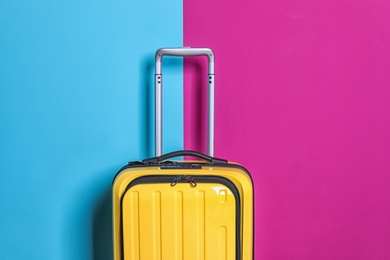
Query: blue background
[76,104]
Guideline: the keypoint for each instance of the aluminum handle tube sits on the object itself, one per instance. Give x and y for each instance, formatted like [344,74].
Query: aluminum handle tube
[185,51]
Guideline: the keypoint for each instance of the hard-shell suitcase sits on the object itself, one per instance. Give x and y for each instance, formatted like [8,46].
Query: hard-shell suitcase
[166,209]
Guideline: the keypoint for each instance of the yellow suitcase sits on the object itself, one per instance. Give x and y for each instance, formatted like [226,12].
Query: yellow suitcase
[183,210]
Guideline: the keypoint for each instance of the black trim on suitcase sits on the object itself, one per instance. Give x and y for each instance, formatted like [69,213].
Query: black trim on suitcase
[198,179]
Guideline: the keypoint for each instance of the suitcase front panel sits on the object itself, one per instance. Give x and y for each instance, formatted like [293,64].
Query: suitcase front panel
[232,172]
[160,221]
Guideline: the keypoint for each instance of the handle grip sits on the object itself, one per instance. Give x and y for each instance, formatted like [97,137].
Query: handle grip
[184,51]
[158,159]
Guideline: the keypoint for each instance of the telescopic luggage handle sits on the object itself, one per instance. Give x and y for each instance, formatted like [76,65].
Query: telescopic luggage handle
[185,51]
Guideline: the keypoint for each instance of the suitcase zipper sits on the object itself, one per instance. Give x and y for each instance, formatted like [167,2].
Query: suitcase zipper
[180,178]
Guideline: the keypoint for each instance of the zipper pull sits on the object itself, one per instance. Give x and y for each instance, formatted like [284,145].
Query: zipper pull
[191,181]
[179,178]
[176,180]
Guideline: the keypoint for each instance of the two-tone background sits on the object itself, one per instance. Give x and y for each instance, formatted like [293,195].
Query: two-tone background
[302,100]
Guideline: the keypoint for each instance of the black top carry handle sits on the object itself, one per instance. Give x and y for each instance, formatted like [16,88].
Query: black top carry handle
[158,159]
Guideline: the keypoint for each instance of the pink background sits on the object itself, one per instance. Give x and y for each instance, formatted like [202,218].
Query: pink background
[303,102]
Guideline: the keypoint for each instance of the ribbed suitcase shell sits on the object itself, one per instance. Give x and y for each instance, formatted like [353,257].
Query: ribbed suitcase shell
[155,220]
